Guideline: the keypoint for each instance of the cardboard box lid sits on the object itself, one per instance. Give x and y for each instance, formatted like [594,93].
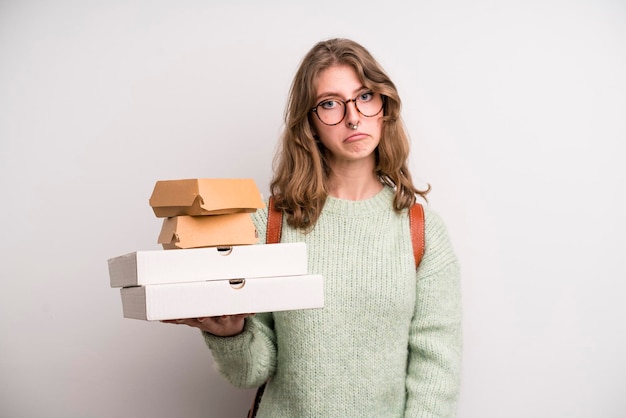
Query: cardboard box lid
[207,231]
[205,197]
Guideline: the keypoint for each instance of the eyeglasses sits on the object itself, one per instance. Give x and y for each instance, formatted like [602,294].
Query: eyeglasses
[333,111]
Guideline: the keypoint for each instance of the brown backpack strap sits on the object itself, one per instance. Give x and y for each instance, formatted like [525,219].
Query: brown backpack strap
[416,221]
[272,236]
[256,401]
[274,223]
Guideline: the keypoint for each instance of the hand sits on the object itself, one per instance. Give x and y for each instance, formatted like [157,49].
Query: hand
[222,326]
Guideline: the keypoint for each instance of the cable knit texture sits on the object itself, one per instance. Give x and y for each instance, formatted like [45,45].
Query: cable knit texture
[387,342]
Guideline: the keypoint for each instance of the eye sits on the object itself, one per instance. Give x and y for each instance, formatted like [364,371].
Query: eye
[366,96]
[328,104]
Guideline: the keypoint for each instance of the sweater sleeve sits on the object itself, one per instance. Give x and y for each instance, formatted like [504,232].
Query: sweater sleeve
[248,359]
[435,336]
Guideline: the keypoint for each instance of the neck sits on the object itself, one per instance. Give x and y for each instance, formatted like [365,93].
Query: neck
[354,181]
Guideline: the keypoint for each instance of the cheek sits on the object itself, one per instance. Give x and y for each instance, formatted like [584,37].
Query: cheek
[376,126]
[379,122]
[326,140]
[318,126]
[324,133]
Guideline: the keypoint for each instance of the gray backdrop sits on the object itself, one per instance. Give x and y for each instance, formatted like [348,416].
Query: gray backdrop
[516,112]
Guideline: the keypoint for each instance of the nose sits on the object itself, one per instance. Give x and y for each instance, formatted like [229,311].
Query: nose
[352,113]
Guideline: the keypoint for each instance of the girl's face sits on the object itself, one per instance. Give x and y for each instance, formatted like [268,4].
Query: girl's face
[343,142]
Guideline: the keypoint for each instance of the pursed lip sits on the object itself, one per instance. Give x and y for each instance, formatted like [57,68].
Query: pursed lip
[355,137]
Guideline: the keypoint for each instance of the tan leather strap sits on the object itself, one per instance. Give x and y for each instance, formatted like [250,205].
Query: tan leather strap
[274,223]
[256,401]
[272,236]
[416,222]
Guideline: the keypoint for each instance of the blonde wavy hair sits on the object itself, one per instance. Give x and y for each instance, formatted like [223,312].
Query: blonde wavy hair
[300,182]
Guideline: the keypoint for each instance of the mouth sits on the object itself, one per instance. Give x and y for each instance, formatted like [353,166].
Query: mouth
[355,137]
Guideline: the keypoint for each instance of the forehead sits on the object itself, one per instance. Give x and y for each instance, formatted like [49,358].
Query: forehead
[338,79]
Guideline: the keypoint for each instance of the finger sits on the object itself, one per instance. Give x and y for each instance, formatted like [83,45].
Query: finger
[244,315]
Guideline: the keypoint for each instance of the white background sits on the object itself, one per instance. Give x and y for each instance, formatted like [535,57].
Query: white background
[517,114]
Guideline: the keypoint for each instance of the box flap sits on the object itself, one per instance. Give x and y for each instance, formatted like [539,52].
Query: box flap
[174,193]
[168,233]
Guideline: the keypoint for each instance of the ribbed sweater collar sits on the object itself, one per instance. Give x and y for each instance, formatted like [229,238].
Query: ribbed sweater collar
[382,201]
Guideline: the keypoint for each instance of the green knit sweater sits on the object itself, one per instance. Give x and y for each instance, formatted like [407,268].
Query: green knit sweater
[387,342]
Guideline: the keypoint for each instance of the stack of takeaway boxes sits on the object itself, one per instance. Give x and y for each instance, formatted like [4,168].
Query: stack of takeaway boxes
[210,266]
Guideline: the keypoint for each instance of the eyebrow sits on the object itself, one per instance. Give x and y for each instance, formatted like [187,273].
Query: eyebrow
[334,94]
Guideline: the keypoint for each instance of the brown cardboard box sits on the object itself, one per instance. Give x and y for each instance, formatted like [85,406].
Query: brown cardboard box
[207,231]
[205,197]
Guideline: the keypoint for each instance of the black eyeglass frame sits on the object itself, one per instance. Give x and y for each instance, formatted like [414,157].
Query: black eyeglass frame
[345,108]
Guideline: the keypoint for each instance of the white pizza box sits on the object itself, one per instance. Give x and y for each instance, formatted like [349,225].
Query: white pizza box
[222,297]
[150,267]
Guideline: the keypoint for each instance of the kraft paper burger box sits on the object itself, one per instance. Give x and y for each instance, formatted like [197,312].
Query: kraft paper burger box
[196,197]
[222,297]
[141,268]
[207,231]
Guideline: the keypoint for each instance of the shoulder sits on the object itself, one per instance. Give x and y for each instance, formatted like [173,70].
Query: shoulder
[434,223]
[438,251]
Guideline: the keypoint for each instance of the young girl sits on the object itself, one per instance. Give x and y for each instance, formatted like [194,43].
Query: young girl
[388,341]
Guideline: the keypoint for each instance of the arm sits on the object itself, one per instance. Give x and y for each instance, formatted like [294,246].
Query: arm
[247,359]
[435,339]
